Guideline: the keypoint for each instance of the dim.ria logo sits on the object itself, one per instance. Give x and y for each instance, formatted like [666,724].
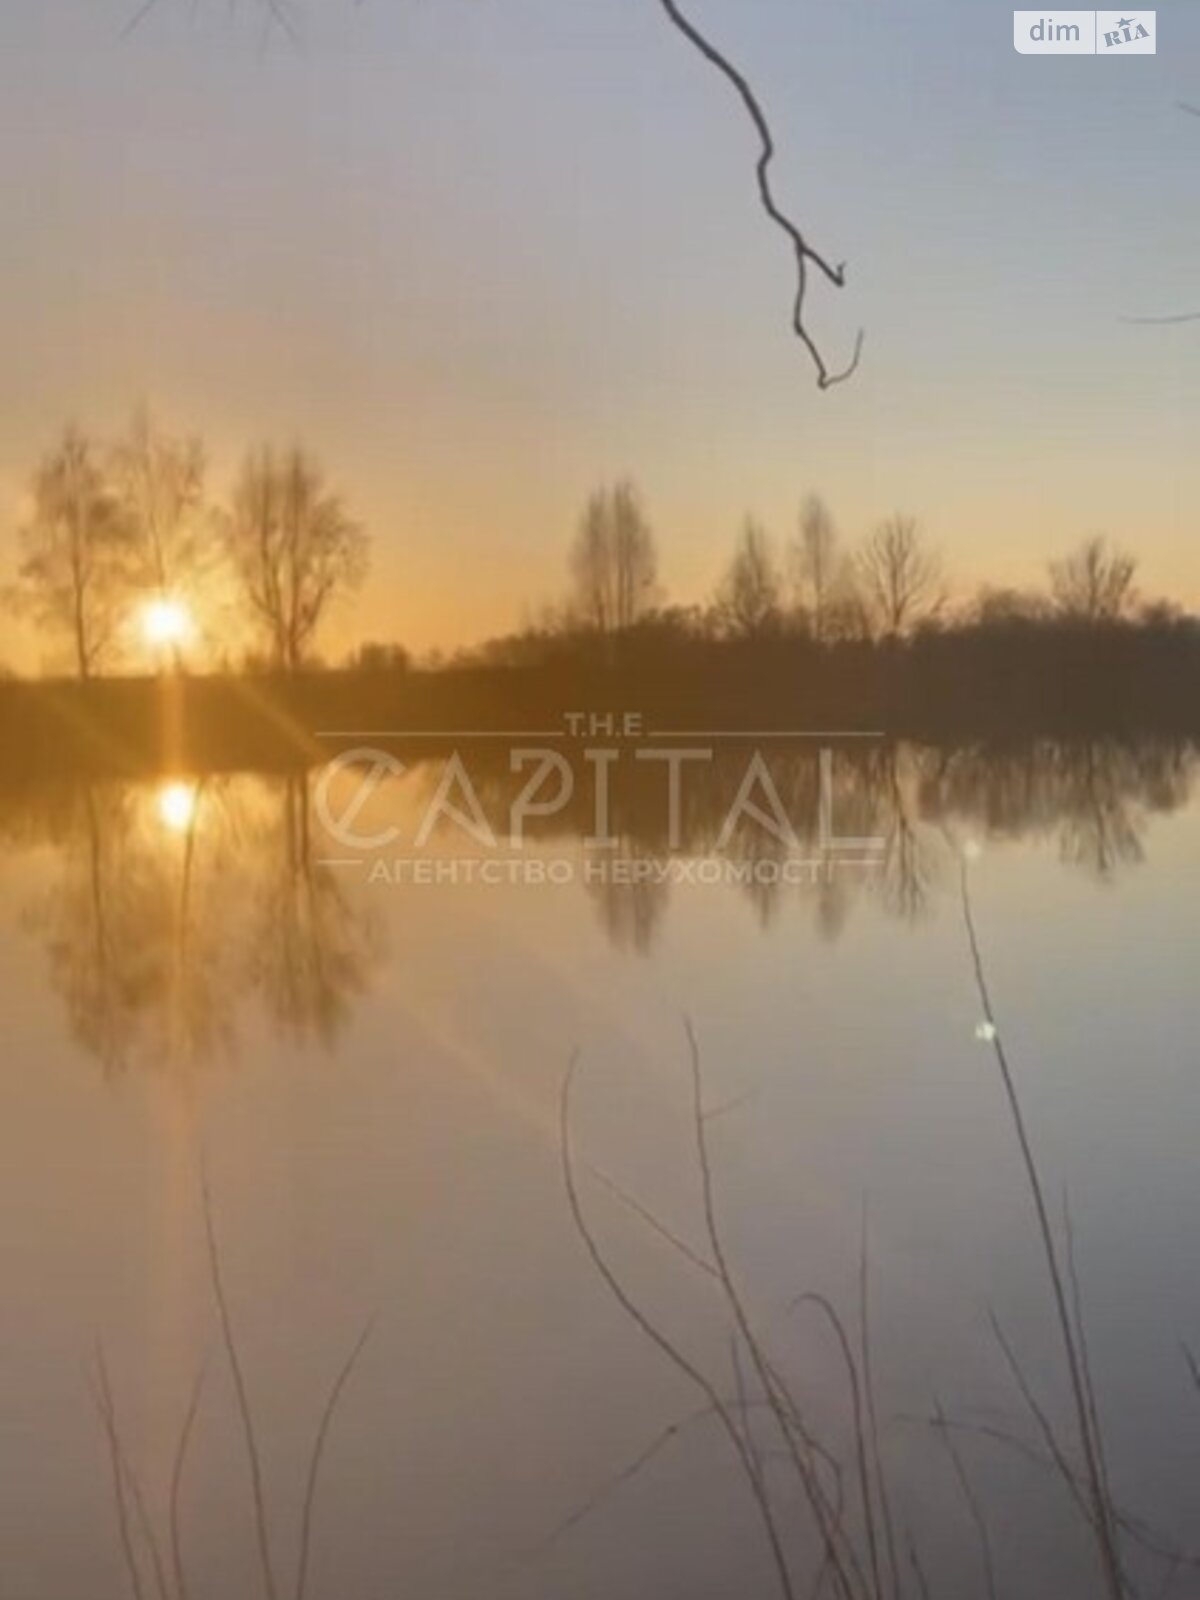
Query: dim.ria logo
[1125,31]
[1089,33]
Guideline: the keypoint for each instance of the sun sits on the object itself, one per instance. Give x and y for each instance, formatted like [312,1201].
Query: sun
[177,806]
[166,623]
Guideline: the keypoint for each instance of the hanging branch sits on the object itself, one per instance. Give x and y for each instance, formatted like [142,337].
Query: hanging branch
[1164,321]
[804,252]
[279,12]
[1171,318]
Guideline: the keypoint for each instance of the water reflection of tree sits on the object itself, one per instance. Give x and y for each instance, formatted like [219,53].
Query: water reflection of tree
[910,862]
[1095,797]
[629,893]
[153,956]
[314,947]
[157,960]
[84,920]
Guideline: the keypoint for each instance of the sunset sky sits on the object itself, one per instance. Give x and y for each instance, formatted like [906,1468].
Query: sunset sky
[482,254]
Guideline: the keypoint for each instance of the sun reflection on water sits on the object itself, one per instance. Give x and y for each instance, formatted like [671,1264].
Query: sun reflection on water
[177,806]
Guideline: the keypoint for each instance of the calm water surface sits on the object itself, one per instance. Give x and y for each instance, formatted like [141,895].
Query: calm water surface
[370,1073]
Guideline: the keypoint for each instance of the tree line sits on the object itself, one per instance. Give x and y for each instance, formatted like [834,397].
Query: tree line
[124,556]
[890,585]
[117,535]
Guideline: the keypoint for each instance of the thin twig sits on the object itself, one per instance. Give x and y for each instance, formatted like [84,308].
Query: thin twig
[782,1398]
[831,1315]
[969,1496]
[743,1401]
[181,1452]
[242,1396]
[620,1479]
[118,1477]
[310,1492]
[872,1412]
[139,16]
[804,252]
[145,1525]
[625,1475]
[1085,1356]
[655,1224]
[818,1504]
[1139,1531]
[1166,320]
[1102,1520]
[1045,1427]
[918,1570]
[663,1344]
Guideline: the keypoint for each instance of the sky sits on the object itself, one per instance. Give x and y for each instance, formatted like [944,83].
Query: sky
[482,255]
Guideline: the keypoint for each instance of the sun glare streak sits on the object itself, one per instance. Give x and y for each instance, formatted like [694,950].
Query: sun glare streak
[177,806]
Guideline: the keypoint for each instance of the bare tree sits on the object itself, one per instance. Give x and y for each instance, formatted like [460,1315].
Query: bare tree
[293,549]
[750,593]
[901,578]
[159,482]
[74,554]
[614,563]
[815,562]
[1094,583]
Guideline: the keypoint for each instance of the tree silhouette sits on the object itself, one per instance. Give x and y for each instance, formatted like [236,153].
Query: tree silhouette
[293,550]
[750,595]
[1094,583]
[614,564]
[74,554]
[159,484]
[815,559]
[901,577]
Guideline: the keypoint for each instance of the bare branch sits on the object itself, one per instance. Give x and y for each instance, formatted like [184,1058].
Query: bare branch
[1140,1532]
[804,252]
[104,1410]
[664,1344]
[310,1493]
[102,1396]
[1170,318]
[139,16]
[181,1453]
[1101,1507]
[242,1396]
[618,1480]
[868,1381]
[833,1318]
[824,1517]
[974,1507]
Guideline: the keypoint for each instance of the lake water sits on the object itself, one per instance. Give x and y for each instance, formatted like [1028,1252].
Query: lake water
[367,1060]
